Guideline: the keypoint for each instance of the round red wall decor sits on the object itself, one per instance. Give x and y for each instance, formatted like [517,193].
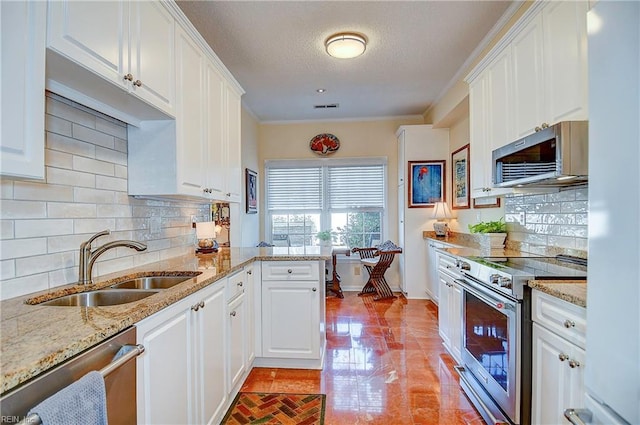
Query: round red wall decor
[324,144]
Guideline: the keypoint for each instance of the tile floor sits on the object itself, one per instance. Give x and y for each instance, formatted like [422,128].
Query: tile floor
[385,364]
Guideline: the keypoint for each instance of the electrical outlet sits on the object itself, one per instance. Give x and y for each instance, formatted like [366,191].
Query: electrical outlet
[193,221]
[521,218]
[356,271]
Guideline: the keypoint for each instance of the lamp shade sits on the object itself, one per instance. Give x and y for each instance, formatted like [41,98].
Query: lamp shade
[206,230]
[441,211]
[345,45]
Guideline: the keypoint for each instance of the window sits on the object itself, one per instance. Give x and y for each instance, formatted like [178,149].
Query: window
[304,197]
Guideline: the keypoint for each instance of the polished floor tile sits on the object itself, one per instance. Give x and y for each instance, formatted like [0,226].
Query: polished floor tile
[385,364]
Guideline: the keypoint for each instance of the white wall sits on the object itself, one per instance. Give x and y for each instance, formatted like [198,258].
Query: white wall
[42,223]
[248,224]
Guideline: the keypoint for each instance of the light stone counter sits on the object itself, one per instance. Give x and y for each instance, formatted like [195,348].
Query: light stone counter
[573,291]
[34,338]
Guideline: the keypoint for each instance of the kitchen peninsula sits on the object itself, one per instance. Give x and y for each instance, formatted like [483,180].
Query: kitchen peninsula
[71,330]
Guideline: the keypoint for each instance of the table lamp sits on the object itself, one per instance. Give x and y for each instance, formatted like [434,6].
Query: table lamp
[206,232]
[441,213]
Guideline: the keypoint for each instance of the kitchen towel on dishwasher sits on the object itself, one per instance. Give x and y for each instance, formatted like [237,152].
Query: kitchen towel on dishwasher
[83,402]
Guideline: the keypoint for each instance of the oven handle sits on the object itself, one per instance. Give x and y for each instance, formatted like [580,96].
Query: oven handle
[494,421]
[488,299]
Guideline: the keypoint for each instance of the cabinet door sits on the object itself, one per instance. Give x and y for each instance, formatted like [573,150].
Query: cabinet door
[528,80]
[291,319]
[191,165]
[478,134]
[455,321]
[210,355]
[250,295]
[151,54]
[164,382]
[22,92]
[556,385]
[401,158]
[233,153]
[443,312]
[432,271]
[237,330]
[93,34]
[216,172]
[401,239]
[565,60]
[500,102]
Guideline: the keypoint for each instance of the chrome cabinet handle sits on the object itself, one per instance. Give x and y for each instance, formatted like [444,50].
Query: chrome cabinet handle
[563,356]
[289,271]
[137,83]
[195,307]
[545,125]
[249,271]
[228,194]
[201,304]
[569,324]
[128,77]
[240,284]
[233,313]
[314,289]
[537,129]
[574,363]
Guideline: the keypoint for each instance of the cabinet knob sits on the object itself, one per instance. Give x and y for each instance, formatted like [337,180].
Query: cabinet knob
[228,194]
[289,271]
[137,83]
[537,129]
[240,284]
[195,307]
[314,289]
[569,324]
[563,356]
[128,77]
[574,363]
[249,271]
[201,304]
[545,125]
[233,313]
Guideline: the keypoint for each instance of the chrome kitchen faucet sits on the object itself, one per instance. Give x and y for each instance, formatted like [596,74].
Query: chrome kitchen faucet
[88,257]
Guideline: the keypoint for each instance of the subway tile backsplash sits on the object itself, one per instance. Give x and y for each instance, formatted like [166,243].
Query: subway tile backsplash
[43,223]
[549,224]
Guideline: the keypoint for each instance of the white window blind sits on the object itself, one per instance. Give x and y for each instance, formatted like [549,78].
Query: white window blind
[359,186]
[294,188]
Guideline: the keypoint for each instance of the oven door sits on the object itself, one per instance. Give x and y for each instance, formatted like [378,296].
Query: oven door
[491,344]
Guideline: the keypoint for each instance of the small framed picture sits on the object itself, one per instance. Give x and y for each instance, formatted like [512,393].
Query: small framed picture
[460,172]
[491,202]
[426,183]
[251,191]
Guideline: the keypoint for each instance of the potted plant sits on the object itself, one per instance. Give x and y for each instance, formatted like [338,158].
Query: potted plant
[490,233]
[326,237]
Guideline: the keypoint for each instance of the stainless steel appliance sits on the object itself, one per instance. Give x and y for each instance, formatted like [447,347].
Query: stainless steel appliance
[114,358]
[552,156]
[496,331]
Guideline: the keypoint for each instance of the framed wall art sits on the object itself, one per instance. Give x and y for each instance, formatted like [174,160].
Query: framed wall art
[491,202]
[251,191]
[426,183]
[460,172]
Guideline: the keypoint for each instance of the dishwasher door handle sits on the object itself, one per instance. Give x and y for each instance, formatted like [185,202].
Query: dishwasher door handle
[124,354]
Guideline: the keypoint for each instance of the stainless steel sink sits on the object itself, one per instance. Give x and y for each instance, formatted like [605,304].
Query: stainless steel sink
[99,298]
[152,282]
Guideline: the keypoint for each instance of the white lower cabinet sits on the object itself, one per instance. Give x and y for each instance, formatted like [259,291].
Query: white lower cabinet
[180,376]
[293,324]
[558,363]
[450,315]
[237,325]
[432,288]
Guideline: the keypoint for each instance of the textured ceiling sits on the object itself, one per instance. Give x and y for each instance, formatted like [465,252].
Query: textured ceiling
[275,49]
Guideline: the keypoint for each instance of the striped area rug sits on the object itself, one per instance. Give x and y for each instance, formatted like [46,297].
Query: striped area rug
[276,409]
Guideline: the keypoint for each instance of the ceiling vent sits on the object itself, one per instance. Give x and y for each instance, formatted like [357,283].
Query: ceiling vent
[328,106]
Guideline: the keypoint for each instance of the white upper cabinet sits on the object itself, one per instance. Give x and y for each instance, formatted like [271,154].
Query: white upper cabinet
[128,44]
[232,145]
[22,92]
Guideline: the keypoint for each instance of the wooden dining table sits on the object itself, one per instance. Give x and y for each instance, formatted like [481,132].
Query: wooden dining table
[333,284]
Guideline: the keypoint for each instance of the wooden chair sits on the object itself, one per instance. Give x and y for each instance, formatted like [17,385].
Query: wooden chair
[376,262]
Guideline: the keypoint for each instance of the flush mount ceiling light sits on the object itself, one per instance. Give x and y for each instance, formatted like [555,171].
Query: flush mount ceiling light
[345,45]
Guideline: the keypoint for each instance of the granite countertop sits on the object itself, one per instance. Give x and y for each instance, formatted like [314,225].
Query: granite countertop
[573,291]
[34,338]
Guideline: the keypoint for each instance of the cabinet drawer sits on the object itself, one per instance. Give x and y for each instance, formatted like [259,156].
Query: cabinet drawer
[290,270]
[235,285]
[565,319]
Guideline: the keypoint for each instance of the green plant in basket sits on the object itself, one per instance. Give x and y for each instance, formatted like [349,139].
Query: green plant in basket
[326,235]
[498,226]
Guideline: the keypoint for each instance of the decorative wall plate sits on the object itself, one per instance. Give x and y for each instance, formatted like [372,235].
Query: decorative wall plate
[324,144]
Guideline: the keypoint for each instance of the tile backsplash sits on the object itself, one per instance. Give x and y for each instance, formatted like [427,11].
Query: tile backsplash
[549,224]
[42,223]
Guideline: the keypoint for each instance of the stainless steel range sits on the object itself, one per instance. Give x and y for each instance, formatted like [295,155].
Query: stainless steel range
[496,330]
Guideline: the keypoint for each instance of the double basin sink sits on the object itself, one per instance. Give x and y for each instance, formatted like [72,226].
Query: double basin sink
[123,292]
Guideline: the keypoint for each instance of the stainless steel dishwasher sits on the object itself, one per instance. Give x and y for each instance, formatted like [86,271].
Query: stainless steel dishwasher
[114,358]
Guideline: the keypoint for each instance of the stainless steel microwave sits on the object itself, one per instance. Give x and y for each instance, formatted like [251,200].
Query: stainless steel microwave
[554,156]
